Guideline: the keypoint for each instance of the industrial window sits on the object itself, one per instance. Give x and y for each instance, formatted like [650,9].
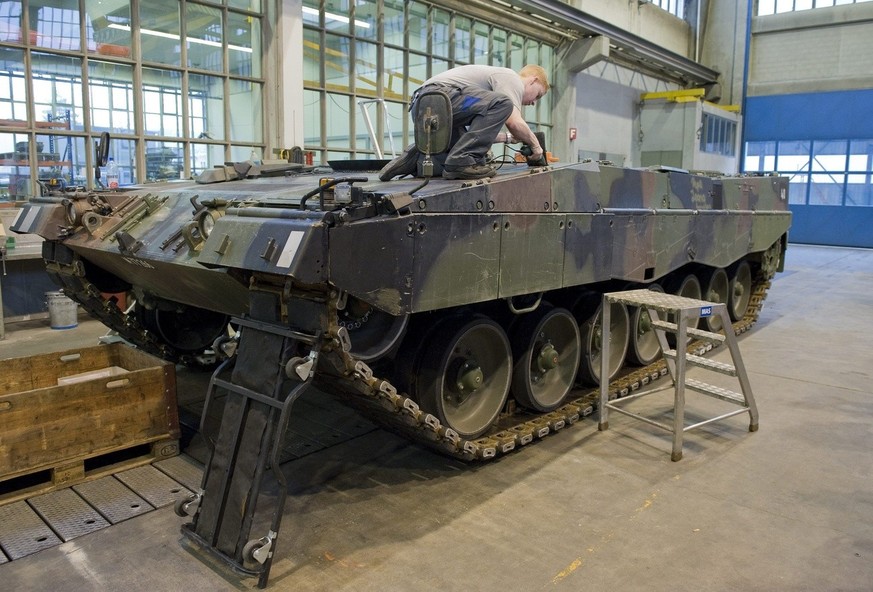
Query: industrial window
[173,104]
[766,7]
[718,135]
[676,7]
[820,172]
[362,61]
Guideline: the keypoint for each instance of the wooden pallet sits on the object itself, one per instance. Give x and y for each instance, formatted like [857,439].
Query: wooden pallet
[86,468]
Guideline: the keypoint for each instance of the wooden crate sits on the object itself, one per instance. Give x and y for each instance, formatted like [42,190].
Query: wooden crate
[111,399]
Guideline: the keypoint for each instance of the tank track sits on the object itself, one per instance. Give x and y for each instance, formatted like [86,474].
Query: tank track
[376,398]
[71,277]
[380,401]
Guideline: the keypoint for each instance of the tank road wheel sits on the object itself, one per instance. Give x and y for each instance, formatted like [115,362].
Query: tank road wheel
[592,341]
[373,332]
[643,348]
[546,348]
[187,329]
[740,290]
[464,374]
[687,287]
[717,287]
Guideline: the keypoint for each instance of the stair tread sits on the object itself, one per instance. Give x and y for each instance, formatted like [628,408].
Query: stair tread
[661,301]
[702,362]
[724,393]
[673,327]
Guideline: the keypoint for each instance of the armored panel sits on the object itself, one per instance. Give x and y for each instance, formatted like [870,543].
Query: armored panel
[631,188]
[585,259]
[384,281]
[737,194]
[693,192]
[576,189]
[648,245]
[197,286]
[764,228]
[528,193]
[284,246]
[633,256]
[531,253]
[673,240]
[440,197]
[767,193]
[755,193]
[727,236]
[456,260]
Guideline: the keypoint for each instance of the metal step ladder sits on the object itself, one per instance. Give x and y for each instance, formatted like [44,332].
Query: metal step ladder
[686,312]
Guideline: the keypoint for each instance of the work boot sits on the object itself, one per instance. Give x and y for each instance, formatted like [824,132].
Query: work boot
[473,171]
[405,164]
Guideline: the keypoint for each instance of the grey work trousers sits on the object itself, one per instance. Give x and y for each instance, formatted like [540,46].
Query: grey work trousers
[477,117]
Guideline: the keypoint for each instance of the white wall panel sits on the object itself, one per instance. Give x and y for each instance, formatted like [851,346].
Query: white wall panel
[811,51]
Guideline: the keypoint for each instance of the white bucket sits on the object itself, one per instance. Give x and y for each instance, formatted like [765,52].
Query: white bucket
[63,312]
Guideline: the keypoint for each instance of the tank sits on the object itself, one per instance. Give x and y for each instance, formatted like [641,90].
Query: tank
[463,314]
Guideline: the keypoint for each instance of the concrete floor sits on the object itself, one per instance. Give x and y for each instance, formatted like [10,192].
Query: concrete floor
[789,507]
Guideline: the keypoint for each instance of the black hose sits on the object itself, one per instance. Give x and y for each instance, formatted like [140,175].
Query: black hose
[330,184]
[426,181]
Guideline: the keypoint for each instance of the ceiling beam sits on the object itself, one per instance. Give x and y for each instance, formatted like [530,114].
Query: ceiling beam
[631,49]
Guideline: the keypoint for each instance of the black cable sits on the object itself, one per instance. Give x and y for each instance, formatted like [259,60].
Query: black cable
[426,181]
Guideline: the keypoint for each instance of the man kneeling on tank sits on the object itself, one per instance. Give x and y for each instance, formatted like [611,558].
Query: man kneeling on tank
[484,99]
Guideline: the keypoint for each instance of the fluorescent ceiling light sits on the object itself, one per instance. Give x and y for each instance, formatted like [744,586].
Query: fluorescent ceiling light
[176,38]
[335,17]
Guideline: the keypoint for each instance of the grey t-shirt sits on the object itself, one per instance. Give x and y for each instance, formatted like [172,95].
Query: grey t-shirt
[500,80]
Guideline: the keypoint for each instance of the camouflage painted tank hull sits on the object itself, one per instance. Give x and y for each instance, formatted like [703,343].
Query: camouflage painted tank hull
[462,315]
[441,307]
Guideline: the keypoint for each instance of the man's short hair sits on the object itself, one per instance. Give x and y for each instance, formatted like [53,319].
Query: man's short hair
[537,72]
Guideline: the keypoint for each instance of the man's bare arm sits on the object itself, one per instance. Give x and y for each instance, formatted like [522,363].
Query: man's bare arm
[519,129]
